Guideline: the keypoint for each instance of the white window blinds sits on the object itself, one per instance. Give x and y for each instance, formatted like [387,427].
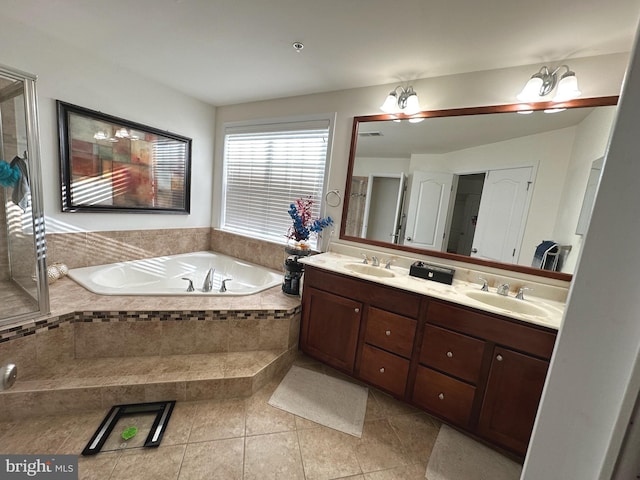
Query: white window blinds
[267,167]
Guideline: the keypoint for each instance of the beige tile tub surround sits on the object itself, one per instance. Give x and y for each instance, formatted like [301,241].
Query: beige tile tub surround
[133,349]
[84,249]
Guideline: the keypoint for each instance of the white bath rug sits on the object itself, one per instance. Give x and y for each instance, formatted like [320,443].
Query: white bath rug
[458,457]
[323,399]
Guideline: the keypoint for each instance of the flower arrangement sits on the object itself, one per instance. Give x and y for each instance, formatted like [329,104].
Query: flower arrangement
[303,224]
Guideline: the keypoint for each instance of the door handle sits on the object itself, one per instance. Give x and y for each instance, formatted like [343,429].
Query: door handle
[408,239]
[474,250]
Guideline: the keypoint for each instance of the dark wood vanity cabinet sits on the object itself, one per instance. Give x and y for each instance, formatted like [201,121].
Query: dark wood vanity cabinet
[478,371]
[331,327]
[511,398]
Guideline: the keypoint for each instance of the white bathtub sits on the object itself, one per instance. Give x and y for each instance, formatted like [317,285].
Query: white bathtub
[164,276]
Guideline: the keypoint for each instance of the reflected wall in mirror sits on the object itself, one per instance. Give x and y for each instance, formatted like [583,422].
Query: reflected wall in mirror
[483,185]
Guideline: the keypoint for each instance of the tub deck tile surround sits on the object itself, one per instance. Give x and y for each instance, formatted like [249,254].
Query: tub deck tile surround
[94,351]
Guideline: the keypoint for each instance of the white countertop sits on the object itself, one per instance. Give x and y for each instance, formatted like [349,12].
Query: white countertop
[547,313]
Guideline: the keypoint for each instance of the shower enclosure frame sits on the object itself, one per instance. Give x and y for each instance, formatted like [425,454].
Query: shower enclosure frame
[35,184]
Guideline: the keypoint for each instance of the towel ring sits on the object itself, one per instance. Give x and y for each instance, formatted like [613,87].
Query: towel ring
[336,201]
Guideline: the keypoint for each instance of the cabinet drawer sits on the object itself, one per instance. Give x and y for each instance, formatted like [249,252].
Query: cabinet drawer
[451,352]
[383,369]
[443,395]
[371,293]
[390,331]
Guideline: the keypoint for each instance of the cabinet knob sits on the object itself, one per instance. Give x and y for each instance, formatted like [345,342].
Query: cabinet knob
[382,370]
[450,354]
[356,310]
[499,358]
[387,333]
[441,396]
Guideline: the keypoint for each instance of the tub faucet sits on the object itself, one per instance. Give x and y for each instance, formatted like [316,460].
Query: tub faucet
[223,287]
[190,287]
[503,289]
[207,286]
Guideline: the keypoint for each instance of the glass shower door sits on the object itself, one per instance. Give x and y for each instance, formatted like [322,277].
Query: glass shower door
[23,286]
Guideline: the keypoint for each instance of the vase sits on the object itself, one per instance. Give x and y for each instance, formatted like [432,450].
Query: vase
[299,248]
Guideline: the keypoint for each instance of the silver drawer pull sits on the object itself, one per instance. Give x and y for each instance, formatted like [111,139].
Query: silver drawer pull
[450,354]
[499,358]
[382,370]
[387,333]
[356,310]
[441,396]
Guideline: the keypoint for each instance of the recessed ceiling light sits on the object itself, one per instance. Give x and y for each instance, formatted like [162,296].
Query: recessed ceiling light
[298,46]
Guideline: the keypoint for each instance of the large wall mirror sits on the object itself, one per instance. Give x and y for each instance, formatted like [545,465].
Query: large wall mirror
[485,185]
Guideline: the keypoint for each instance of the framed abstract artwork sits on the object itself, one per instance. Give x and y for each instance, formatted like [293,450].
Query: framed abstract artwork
[108,164]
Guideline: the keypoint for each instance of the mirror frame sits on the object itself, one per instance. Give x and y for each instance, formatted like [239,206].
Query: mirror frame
[509,108]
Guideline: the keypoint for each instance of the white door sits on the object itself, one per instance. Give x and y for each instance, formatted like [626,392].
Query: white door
[427,212]
[503,209]
[383,207]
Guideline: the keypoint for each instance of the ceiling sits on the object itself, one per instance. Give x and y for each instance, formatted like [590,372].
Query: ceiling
[234,51]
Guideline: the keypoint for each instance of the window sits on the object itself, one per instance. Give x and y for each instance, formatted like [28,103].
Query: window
[267,167]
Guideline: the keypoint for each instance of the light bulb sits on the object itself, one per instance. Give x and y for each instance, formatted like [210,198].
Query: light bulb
[567,88]
[413,105]
[390,105]
[531,91]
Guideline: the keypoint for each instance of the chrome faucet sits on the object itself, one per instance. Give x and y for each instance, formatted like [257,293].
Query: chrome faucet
[388,263]
[223,287]
[503,289]
[520,294]
[485,285]
[190,287]
[207,286]
[366,260]
[375,262]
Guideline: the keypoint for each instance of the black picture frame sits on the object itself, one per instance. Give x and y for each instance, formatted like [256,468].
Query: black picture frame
[109,164]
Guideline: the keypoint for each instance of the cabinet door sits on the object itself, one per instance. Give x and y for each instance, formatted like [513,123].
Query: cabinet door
[330,327]
[511,399]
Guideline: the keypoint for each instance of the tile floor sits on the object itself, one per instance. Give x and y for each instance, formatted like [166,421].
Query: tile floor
[245,439]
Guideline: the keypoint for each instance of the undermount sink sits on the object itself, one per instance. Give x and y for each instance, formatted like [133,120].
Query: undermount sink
[369,270]
[507,303]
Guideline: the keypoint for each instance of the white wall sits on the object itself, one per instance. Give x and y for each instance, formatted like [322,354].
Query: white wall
[594,378]
[368,165]
[591,139]
[494,87]
[69,74]
[548,153]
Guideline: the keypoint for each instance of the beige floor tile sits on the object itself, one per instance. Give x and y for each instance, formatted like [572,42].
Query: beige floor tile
[180,423]
[84,426]
[97,467]
[219,459]
[161,463]
[218,419]
[273,456]
[391,406]
[409,472]
[263,418]
[328,453]
[380,448]
[418,433]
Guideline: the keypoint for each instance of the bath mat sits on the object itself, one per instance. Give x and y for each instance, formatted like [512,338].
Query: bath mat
[323,399]
[456,456]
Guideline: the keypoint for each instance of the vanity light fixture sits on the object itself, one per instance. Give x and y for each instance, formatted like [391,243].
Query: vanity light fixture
[545,80]
[401,100]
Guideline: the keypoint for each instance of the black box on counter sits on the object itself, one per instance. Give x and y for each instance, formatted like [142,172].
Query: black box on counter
[432,272]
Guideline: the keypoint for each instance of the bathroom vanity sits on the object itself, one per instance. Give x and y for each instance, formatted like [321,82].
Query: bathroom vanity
[430,345]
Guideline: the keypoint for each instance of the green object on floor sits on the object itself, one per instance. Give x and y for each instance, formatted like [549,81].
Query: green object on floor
[129,433]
